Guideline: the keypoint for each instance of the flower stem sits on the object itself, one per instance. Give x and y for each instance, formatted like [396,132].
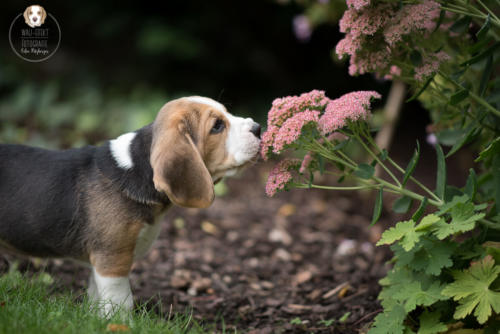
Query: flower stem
[488,10]
[399,168]
[303,185]
[489,224]
[378,160]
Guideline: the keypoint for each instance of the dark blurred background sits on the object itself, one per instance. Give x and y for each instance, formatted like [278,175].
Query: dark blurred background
[119,62]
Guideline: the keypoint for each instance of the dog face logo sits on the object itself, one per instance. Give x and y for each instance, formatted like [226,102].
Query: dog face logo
[34,16]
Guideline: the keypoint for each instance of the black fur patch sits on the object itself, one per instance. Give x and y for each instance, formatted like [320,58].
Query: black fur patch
[43,193]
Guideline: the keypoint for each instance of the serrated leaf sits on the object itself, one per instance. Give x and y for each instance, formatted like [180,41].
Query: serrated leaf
[420,211]
[463,219]
[441,172]
[471,289]
[364,171]
[432,257]
[377,209]
[471,184]
[413,295]
[430,324]
[389,322]
[404,232]
[446,207]
[402,204]
[459,97]
[427,222]
[412,164]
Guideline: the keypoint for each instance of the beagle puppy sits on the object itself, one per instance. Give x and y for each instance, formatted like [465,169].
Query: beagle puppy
[102,205]
[34,16]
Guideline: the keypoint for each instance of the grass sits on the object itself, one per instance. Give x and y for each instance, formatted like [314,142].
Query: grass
[30,305]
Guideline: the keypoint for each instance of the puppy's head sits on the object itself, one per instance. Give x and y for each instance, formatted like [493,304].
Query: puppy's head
[34,16]
[196,142]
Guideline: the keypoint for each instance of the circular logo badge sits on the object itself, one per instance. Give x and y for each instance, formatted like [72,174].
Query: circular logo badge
[35,35]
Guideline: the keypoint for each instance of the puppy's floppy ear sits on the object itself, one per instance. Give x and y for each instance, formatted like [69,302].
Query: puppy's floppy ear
[44,14]
[26,17]
[178,168]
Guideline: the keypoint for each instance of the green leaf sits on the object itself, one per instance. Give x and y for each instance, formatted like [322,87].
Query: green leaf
[463,219]
[446,207]
[404,232]
[495,170]
[364,171]
[433,256]
[492,150]
[484,29]
[449,137]
[413,295]
[321,164]
[441,172]
[427,222]
[389,322]
[421,90]
[420,211]
[471,184]
[430,324]
[402,204]
[488,68]
[377,209]
[416,58]
[474,48]
[471,289]
[383,154]
[461,25]
[412,164]
[482,55]
[467,134]
[459,97]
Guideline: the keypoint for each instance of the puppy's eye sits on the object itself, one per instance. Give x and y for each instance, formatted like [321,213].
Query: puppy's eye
[38,12]
[218,126]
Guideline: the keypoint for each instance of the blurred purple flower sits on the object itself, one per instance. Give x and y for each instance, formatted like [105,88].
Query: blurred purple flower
[432,139]
[302,28]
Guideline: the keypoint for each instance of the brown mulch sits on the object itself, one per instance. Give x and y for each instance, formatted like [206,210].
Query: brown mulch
[301,261]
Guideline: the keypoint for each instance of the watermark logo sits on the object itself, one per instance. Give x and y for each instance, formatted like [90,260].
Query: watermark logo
[35,35]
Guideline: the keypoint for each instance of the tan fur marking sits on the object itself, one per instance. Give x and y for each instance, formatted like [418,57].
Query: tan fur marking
[112,231]
[177,154]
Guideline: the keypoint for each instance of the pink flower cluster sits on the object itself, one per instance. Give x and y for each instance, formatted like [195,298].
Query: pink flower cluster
[430,65]
[357,4]
[292,128]
[288,116]
[352,106]
[305,106]
[280,176]
[373,31]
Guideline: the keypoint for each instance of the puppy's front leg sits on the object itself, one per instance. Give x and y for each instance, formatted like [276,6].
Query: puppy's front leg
[112,286]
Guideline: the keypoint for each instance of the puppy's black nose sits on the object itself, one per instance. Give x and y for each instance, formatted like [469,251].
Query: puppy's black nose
[35,18]
[255,130]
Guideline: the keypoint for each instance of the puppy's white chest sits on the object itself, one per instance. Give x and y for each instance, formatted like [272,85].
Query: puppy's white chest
[147,235]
